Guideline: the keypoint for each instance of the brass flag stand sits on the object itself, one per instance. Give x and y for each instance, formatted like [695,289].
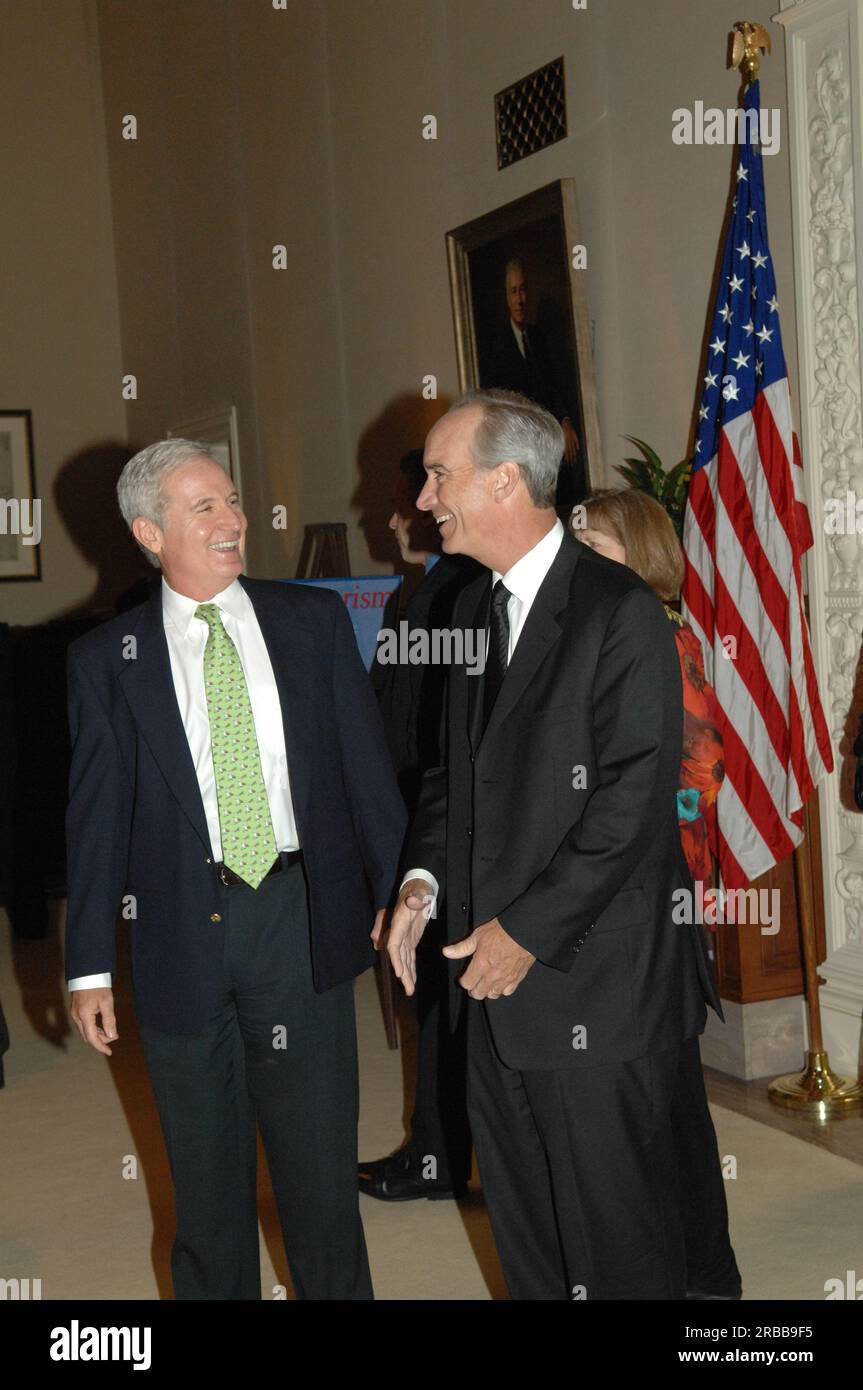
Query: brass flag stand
[816,1091]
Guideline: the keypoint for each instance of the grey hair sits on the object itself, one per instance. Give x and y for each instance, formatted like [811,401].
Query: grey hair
[515,430]
[139,487]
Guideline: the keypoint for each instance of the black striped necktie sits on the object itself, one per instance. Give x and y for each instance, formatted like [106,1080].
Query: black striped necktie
[498,649]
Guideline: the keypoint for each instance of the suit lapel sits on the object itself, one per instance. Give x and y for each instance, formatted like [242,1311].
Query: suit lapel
[477,599]
[148,685]
[286,658]
[539,634]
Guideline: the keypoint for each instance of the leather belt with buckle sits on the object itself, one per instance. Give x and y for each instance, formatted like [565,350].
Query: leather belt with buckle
[284,861]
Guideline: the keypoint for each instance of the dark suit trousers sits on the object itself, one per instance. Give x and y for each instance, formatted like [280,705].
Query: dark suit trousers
[439,1124]
[710,1263]
[579,1174]
[276,1052]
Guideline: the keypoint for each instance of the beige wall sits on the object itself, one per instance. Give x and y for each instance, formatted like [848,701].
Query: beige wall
[669,202]
[178,218]
[58,299]
[232,159]
[303,127]
[650,211]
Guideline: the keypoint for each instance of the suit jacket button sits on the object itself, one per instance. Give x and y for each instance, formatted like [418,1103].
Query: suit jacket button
[215,916]
[469,830]
[464,907]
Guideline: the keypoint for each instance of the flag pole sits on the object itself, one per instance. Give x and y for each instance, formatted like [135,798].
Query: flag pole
[817,1090]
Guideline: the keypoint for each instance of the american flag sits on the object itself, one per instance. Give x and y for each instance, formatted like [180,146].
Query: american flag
[745,530]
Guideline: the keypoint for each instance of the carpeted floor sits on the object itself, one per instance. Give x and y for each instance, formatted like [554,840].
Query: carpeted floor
[87,1204]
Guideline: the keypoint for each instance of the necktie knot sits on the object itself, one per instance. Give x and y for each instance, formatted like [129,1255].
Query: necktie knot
[210,613]
[500,597]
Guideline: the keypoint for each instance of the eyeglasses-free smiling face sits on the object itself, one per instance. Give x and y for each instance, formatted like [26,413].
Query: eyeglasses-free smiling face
[201,543]
[457,493]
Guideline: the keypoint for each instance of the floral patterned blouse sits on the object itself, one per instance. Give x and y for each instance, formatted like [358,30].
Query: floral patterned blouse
[702,768]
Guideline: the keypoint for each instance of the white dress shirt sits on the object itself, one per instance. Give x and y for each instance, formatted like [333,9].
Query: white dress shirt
[523,580]
[187,637]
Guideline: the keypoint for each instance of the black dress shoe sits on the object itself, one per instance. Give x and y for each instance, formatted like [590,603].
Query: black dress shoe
[699,1295]
[399,1178]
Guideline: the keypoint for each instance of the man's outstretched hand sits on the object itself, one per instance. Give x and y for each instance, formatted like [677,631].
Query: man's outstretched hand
[87,1007]
[498,963]
[410,915]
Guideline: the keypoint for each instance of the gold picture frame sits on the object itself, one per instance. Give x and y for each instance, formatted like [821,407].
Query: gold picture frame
[20,508]
[542,230]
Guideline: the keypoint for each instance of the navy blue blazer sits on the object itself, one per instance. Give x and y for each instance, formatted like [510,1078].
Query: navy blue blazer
[135,823]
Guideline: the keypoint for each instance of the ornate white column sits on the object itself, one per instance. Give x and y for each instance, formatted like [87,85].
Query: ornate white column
[825,129]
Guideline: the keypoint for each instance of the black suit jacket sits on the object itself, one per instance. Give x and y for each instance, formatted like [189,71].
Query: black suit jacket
[136,823]
[412,695]
[579,866]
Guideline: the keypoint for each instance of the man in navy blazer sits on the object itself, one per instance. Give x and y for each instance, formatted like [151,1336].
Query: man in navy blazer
[243,993]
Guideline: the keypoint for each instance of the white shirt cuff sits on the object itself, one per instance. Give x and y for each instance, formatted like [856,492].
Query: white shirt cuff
[91,981]
[431,881]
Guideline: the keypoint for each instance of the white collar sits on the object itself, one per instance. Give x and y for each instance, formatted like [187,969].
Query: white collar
[181,610]
[525,576]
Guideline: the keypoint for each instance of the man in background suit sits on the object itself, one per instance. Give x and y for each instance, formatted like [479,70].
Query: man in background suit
[230,784]
[411,698]
[551,834]
[522,361]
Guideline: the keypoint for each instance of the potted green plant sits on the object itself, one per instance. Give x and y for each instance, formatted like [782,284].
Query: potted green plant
[649,475]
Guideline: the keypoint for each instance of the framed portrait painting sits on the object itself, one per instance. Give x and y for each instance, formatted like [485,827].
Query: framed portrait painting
[521,321]
[20,508]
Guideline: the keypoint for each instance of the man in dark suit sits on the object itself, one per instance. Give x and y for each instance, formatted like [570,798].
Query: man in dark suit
[522,361]
[230,788]
[551,833]
[434,1162]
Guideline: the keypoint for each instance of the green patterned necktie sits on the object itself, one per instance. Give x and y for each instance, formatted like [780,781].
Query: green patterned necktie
[248,839]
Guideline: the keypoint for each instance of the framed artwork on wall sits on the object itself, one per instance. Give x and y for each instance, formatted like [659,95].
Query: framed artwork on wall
[20,508]
[517,280]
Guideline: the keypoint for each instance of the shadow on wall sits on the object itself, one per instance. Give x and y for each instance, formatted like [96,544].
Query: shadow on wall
[85,491]
[401,426]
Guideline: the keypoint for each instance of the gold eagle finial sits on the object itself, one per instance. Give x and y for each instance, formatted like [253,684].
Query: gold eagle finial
[748,40]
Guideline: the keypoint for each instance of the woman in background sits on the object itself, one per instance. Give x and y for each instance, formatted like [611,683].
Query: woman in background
[633,529]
